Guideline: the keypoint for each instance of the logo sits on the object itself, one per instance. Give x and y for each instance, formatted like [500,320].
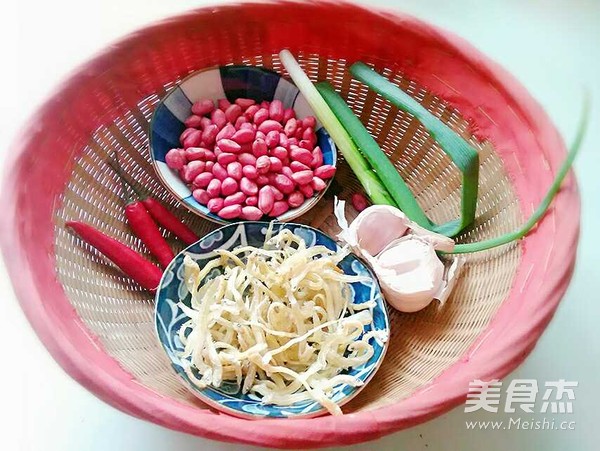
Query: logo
[522,396]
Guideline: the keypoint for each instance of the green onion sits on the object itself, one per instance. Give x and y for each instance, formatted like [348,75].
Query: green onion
[369,180]
[464,155]
[382,165]
[543,207]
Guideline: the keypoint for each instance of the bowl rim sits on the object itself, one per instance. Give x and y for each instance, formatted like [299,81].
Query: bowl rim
[235,412]
[505,113]
[304,208]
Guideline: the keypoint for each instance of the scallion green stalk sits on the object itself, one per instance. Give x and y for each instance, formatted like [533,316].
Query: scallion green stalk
[462,153]
[385,170]
[369,180]
[543,207]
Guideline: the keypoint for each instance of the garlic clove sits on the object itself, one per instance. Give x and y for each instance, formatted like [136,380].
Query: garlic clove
[377,226]
[410,273]
[373,229]
[403,302]
[408,254]
[388,222]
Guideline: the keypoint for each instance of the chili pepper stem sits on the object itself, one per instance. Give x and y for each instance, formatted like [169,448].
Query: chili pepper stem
[114,163]
[126,195]
[157,211]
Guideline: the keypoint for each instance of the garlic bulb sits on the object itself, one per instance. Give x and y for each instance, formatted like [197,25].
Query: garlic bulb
[402,254]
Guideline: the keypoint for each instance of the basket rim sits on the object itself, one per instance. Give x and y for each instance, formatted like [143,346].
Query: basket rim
[501,347]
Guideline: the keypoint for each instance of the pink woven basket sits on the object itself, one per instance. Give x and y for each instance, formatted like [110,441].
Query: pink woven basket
[98,324]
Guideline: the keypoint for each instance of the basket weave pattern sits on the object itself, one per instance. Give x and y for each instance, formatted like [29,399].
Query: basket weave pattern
[99,325]
[422,345]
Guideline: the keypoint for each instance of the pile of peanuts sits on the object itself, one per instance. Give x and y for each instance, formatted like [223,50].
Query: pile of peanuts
[245,160]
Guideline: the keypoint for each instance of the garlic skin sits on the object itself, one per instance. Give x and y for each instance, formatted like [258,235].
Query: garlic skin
[402,254]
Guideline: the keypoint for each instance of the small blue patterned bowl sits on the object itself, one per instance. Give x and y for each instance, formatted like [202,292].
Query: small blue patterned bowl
[169,318]
[229,82]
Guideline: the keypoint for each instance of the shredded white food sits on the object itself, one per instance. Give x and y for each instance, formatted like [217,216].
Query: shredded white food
[278,321]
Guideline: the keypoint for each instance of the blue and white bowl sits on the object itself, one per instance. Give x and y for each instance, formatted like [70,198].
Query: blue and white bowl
[229,82]
[169,319]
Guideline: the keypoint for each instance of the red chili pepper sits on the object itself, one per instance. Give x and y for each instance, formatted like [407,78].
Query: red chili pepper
[146,229]
[169,221]
[129,261]
[158,211]
[142,223]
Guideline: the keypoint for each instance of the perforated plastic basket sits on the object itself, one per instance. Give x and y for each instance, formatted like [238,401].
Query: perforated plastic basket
[99,325]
